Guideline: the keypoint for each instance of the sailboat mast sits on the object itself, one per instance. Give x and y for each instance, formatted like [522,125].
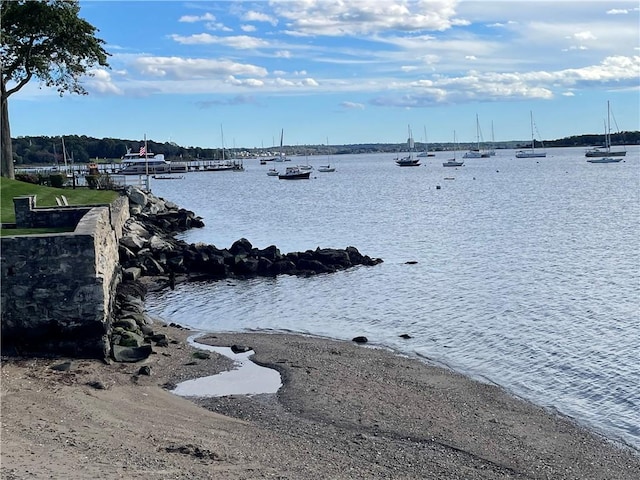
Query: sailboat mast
[607,137]
[222,140]
[533,142]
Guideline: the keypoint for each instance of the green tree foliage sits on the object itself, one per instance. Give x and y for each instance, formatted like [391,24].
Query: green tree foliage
[46,40]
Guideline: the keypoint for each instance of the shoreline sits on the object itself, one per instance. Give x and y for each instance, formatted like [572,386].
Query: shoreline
[344,411]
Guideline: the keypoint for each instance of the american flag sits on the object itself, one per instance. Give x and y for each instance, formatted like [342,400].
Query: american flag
[143,151]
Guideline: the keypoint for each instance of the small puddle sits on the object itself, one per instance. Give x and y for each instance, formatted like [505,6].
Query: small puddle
[247,378]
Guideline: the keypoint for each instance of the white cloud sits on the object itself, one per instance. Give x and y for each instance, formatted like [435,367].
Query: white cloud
[191,68]
[352,105]
[253,16]
[248,28]
[249,82]
[207,17]
[584,36]
[363,17]
[240,42]
[101,82]
[617,11]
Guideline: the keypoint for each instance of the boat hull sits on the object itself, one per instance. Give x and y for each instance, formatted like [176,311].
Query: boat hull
[295,176]
[605,160]
[604,153]
[530,155]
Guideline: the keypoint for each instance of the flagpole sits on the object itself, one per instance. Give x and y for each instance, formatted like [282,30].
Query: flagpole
[146,162]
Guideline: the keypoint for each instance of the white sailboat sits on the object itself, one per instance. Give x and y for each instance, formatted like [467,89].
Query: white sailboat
[605,154]
[476,152]
[531,152]
[426,152]
[453,162]
[327,168]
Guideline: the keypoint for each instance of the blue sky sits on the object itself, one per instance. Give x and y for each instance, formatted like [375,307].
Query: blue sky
[348,71]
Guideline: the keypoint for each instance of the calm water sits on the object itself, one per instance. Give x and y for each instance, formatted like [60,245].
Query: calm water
[528,270]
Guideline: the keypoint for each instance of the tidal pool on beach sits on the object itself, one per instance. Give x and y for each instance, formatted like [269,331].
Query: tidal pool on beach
[247,378]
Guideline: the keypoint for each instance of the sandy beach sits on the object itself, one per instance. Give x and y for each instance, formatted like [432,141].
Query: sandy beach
[345,411]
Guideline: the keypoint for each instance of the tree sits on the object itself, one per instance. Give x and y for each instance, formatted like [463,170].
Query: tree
[45,40]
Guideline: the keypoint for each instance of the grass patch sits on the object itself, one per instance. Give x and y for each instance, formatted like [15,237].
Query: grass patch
[46,197]
[12,232]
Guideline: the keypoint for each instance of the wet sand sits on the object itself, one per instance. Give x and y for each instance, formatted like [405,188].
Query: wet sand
[345,411]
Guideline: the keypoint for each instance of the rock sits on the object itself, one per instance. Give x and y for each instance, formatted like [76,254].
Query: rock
[62,367]
[406,336]
[240,349]
[360,339]
[132,273]
[130,354]
[144,370]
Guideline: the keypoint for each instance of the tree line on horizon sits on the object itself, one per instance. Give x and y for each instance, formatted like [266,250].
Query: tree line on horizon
[79,149]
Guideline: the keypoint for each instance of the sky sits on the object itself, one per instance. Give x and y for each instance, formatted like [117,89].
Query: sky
[240,73]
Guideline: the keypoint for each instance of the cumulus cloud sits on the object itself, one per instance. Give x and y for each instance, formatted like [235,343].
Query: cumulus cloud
[489,86]
[191,68]
[363,17]
[207,17]
[100,82]
[240,42]
[253,16]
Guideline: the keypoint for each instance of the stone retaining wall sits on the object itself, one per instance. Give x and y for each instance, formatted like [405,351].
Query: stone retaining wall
[58,289]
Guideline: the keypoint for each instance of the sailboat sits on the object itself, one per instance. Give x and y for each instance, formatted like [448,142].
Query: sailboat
[426,147]
[327,168]
[224,164]
[452,162]
[531,153]
[281,156]
[409,161]
[476,152]
[492,151]
[605,154]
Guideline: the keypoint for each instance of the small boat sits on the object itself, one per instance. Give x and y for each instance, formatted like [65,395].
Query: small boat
[452,162]
[294,173]
[409,160]
[531,153]
[605,151]
[305,167]
[168,177]
[605,160]
[272,172]
[326,168]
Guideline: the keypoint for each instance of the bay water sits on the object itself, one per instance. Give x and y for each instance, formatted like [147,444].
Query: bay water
[519,272]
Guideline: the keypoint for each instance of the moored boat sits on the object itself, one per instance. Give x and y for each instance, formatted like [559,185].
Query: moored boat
[605,151]
[143,163]
[531,152]
[294,173]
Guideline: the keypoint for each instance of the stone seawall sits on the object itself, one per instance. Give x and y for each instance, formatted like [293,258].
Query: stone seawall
[58,289]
